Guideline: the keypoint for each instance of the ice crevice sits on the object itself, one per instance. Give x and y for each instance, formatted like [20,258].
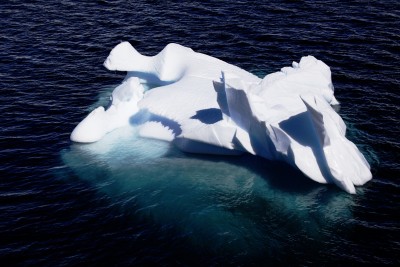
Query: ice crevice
[205,105]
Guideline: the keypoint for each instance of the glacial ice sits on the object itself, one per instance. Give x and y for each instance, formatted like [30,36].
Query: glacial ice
[204,105]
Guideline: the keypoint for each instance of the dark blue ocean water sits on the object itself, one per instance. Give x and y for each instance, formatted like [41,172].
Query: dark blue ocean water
[141,202]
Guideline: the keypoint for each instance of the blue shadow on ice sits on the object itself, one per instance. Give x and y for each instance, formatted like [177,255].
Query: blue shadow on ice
[302,129]
[208,116]
[146,116]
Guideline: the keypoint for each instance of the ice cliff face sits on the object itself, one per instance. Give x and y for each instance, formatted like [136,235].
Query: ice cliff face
[205,105]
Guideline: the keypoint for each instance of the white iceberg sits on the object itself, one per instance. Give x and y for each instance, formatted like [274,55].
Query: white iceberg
[205,105]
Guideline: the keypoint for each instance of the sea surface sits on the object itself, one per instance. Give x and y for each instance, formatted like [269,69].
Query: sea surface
[126,201]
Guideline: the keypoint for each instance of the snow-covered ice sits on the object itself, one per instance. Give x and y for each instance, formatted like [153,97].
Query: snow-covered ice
[204,105]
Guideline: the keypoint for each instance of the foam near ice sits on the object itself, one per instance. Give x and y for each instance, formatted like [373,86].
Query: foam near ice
[205,105]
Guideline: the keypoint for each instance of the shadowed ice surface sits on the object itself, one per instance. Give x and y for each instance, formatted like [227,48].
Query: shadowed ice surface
[239,206]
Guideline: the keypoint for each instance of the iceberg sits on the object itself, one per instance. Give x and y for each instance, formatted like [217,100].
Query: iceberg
[204,105]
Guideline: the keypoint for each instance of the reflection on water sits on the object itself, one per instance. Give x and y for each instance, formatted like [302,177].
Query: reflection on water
[238,205]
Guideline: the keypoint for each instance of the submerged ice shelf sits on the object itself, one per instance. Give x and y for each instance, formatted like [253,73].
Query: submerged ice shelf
[205,105]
